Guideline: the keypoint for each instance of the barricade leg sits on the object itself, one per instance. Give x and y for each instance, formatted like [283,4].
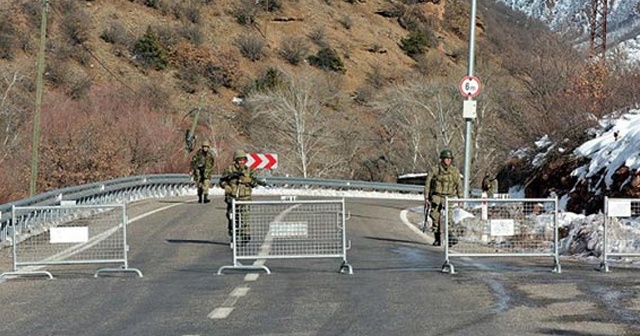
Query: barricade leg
[19,273]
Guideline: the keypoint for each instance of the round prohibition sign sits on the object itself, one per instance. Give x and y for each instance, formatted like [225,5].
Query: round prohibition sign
[470,86]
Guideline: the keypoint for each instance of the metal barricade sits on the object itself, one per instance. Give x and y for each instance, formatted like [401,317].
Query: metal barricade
[621,229]
[288,229]
[500,228]
[64,235]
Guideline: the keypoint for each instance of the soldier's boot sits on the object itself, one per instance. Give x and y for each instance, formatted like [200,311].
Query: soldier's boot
[436,239]
[206,198]
[199,196]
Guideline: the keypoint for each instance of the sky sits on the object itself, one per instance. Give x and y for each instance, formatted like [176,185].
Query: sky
[615,142]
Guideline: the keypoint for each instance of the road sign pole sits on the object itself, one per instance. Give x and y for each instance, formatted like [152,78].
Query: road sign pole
[469,121]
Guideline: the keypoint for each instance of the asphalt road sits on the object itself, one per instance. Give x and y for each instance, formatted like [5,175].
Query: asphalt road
[397,287]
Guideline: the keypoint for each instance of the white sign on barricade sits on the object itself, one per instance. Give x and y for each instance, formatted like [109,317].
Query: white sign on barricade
[621,234]
[71,234]
[495,227]
[288,229]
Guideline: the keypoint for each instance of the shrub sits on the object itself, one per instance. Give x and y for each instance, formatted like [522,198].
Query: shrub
[250,46]
[456,18]
[269,5]
[246,12]
[293,50]
[327,59]
[189,79]
[76,26]
[416,43]
[57,73]
[115,33]
[216,77]
[79,86]
[267,80]
[189,11]
[7,36]
[148,51]
[318,36]
[155,4]
[192,33]
[346,22]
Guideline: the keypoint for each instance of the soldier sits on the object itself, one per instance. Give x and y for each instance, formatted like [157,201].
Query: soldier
[201,169]
[238,180]
[488,184]
[442,181]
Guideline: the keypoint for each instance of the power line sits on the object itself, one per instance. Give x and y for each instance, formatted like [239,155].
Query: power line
[101,63]
[108,70]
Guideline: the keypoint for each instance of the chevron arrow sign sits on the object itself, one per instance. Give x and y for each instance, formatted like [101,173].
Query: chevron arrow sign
[262,160]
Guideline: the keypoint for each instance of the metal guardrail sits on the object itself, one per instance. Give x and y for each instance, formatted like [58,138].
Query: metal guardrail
[133,188]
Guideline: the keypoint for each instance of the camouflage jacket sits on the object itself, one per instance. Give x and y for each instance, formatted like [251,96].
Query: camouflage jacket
[238,182]
[443,181]
[202,164]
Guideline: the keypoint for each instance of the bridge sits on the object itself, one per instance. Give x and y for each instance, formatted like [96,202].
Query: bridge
[397,287]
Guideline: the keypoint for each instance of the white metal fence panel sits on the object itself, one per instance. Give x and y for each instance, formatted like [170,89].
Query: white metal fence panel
[621,237]
[500,227]
[288,229]
[69,234]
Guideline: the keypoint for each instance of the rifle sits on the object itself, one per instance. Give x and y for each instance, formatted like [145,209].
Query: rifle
[427,214]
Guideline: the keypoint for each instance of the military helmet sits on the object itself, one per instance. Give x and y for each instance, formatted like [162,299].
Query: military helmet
[446,154]
[205,143]
[239,154]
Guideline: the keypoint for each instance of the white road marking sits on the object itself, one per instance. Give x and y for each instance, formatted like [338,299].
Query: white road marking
[220,313]
[240,291]
[251,277]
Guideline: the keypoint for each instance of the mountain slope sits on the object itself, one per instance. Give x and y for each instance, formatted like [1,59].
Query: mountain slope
[622,20]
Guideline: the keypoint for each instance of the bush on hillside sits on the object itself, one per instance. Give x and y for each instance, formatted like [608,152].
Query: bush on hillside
[267,80]
[416,43]
[250,46]
[246,12]
[148,51]
[116,33]
[76,26]
[7,37]
[294,50]
[327,59]
[318,36]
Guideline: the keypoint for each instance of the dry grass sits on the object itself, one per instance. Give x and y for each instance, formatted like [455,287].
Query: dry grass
[371,41]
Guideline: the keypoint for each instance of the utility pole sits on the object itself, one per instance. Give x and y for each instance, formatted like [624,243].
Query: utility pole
[39,88]
[191,137]
[469,117]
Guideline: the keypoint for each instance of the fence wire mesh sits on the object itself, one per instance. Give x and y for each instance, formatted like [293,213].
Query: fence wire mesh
[289,229]
[76,234]
[621,230]
[500,227]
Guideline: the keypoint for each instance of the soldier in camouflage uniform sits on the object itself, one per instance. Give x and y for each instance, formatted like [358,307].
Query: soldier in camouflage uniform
[489,185]
[442,181]
[238,180]
[201,169]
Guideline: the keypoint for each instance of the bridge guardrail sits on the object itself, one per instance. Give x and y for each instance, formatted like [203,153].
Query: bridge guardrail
[132,188]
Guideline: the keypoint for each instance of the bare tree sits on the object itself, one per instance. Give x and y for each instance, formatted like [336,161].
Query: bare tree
[293,120]
[11,117]
[420,116]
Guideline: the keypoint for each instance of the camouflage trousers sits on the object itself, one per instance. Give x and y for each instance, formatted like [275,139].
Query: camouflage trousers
[203,186]
[241,222]
[437,212]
